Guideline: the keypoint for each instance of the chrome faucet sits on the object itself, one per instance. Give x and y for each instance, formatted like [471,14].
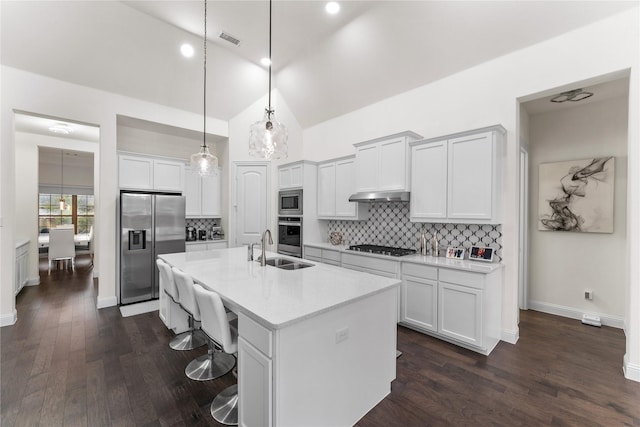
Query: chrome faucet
[263,257]
[250,251]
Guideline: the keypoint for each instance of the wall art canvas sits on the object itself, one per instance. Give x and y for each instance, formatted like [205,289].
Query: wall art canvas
[577,195]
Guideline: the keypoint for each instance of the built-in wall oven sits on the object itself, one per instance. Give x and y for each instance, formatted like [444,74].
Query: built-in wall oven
[290,202]
[290,236]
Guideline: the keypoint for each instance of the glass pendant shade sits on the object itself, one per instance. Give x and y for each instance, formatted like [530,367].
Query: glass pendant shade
[204,162]
[268,138]
[61,203]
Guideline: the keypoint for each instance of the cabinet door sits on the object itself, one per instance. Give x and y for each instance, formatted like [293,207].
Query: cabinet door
[211,200]
[470,177]
[345,187]
[168,175]
[135,172]
[284,177]
[195,247]
[393,165]
[460,313]
[216,245]
[297,175]
[192,193]
[367,167]
[255,381]
[420,303]
[429,181]
[326,190]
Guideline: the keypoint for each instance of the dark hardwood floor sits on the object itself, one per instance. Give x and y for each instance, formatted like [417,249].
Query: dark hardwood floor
[66,363]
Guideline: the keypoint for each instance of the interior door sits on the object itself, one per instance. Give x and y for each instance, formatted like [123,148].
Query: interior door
[251,202]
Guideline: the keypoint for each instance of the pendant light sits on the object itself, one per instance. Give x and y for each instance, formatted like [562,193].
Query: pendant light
[204,162]
[61,180]
[268,137]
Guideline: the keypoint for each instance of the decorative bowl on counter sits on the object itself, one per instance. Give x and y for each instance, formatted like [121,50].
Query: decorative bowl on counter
[335,237]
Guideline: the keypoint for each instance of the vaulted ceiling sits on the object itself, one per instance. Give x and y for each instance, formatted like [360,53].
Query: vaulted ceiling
[324,65]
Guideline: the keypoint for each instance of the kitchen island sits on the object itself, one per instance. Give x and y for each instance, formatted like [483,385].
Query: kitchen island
[317,345]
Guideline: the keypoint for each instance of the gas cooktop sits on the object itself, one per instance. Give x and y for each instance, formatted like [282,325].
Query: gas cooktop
[382,250]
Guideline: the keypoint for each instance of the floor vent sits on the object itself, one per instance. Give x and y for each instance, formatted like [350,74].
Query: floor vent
[591,319]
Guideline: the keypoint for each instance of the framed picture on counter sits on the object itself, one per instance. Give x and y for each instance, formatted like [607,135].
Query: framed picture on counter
[481,253]
[455,253]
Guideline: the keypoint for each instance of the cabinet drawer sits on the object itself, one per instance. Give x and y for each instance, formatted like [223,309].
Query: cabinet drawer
[256,334]
[464,278]
[372,263]
[312,252]
[331,262]
[328,255]
[422,271]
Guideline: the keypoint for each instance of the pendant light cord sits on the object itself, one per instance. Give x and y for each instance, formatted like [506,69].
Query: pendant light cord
[204,132]
[270,60]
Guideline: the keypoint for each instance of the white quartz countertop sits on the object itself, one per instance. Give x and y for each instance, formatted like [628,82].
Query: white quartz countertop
[467,265]
[274,297]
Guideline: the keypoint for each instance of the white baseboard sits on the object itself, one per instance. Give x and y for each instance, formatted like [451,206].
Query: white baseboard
[9,319]
[631,370]
[139,308]
[510,336]
[105,302]
[33,282]
[574,313]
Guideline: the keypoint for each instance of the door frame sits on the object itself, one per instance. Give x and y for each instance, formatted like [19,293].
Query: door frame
[523,228]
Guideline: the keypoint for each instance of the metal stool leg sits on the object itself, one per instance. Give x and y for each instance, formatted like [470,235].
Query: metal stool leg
[224,408]
[188,340]
[210,366]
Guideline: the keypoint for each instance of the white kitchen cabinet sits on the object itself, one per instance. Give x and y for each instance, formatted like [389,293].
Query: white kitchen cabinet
[21,266]
[459,306]
[205,245]
[327,256]
[420,296]
[382,164]
[457,178]
[291,175]
[255,373]
[202,195]
[138,172]
[336,182]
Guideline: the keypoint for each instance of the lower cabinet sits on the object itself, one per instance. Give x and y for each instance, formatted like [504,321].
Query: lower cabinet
[462,307]
[255,373]
[22,266]
[194,247]
[327,256]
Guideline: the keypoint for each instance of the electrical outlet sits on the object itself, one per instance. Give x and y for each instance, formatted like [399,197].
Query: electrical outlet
[342,334]
[588,294]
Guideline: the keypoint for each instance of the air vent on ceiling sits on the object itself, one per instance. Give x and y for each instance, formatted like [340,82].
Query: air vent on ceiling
[229,38]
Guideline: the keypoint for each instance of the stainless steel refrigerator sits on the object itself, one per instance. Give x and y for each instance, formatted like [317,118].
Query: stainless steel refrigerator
[150,224]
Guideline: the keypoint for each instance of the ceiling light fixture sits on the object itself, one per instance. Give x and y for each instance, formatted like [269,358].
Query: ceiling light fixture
[187,50]
[265,61]
[61,128]
[204,162]
[61,181]
[268,137]
[572,95]
[332,7]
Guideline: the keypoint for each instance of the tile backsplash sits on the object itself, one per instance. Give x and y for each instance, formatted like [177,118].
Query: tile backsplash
[389,225]
[202,223]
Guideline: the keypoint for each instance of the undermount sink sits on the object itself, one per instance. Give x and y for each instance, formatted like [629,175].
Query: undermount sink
[286,264]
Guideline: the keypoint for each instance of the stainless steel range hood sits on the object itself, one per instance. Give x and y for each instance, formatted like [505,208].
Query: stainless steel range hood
[381,196]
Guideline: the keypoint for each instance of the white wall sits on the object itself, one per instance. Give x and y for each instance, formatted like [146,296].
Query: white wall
[488,94]
[563,265]
[41,95]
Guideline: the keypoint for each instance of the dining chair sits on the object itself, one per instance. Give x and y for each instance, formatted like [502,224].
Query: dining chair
[62,246]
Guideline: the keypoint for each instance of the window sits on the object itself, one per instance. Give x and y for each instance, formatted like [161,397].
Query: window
[79,210]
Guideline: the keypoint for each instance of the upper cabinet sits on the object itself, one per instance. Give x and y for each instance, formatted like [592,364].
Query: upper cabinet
[336,182]
[458,178]
[382,164]
[291,175]
[138,172]
[202,195]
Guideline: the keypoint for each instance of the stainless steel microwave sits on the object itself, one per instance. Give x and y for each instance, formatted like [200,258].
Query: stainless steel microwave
[290,202]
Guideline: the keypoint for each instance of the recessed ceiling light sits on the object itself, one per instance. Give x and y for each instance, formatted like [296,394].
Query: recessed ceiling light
[61,128]
[186,50]
[265,61]
[332,7]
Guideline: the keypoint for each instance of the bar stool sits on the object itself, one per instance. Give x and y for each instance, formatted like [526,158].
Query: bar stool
[223,332]
[187,340]
[215,363]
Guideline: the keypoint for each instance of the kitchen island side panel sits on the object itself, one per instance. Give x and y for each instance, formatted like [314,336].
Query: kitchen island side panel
[333,368]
